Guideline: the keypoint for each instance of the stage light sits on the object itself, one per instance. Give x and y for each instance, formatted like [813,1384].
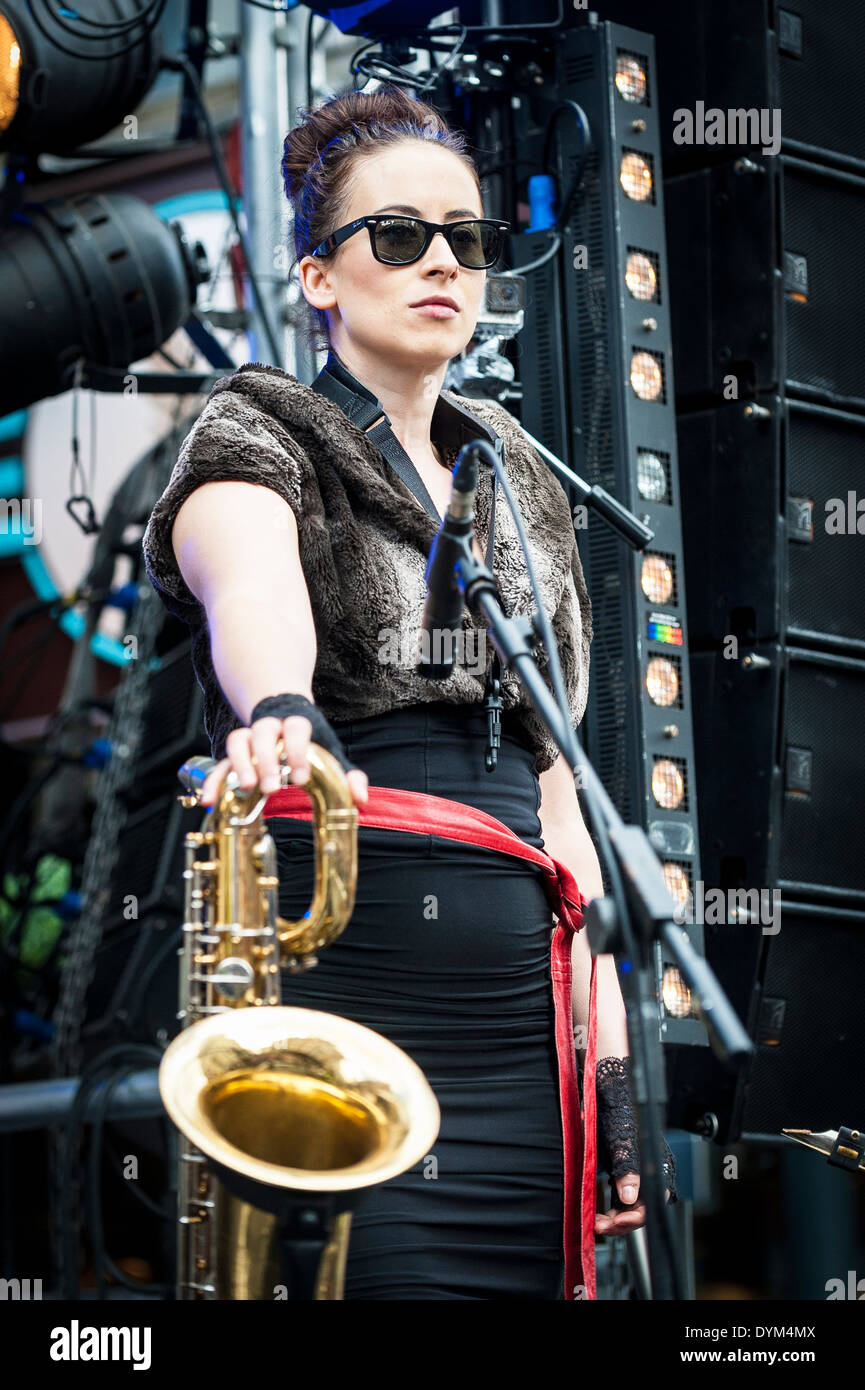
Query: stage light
[651,476]
[662,681]
[675,994]
[65,80]
[677,884]
[646,376]
[630,78]
[99,277]
[10,73]
[641,277]
[656,579]
[635,176]
[668,785]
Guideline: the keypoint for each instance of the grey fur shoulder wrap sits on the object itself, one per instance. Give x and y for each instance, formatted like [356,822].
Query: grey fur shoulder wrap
[364,543]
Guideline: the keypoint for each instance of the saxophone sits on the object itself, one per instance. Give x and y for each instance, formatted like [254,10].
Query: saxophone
[287,1116]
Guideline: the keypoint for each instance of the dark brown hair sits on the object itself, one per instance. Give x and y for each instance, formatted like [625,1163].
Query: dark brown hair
[320,152]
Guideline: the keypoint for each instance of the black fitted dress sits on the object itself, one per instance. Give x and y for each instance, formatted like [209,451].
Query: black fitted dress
[447,954]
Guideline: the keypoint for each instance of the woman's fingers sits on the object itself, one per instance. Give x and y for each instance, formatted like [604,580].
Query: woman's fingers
[213,781]
[296,733]
[264,736]
[359,785]
[628,1218]
[254,755]
[239,750]
[616,1222]
[628,1188]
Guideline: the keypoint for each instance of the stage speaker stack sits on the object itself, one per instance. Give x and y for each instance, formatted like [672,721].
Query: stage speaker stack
[764,133]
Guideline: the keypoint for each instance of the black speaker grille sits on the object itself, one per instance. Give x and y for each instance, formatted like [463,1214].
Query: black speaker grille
[173,710]
[820,839]
[611,698]
[149,843]
[811,1078]
[593,365]
[824,222]
[832,41]
[826,460]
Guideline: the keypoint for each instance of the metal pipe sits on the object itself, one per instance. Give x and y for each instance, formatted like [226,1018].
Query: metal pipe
[263,99]
[293,39]
[30,1105]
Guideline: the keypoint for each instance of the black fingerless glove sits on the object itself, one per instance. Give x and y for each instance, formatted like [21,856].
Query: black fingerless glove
[283,706]
[618,1140]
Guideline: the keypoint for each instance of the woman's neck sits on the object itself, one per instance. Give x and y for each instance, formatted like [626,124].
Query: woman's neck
[408,394]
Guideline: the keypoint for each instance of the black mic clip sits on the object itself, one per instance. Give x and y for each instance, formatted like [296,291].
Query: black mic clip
[493,702]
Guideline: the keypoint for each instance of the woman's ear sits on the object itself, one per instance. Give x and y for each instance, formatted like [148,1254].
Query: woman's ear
[315,283]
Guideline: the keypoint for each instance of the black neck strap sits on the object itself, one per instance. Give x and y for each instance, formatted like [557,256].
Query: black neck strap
[365,410]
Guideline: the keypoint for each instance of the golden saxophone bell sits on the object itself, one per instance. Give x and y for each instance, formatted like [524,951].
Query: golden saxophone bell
[291,1114]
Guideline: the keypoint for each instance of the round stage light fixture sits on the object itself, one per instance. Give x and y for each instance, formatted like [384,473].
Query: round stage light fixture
[651,476]
[66,79]
[635,176]
[676,994]
[668,784]
[641,276]
[100,277]
[646,378]
[662,681]
[631,81]
[656,579]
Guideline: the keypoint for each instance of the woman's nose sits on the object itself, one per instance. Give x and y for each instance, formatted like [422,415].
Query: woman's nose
[440,246]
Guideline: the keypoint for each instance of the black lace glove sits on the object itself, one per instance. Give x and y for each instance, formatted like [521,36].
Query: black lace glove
[283,706]
[618,1142]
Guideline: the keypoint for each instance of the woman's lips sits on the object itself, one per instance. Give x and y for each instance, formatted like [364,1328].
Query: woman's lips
[436,311]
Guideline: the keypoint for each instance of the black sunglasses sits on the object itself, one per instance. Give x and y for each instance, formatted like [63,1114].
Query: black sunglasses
[477,242]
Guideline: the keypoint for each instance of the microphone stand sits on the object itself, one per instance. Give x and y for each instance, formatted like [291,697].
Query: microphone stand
[640,909]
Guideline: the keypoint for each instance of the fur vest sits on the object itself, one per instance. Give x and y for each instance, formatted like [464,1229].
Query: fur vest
[364,542]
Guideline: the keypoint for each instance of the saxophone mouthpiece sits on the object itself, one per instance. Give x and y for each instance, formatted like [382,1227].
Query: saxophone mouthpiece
[192,776]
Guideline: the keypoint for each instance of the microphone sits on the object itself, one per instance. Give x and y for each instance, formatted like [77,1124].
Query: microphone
[443,609]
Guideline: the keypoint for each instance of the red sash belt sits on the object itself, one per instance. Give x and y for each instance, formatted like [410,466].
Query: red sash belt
[394,809]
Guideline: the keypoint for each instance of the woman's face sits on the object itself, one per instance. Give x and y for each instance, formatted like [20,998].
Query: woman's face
[370,304]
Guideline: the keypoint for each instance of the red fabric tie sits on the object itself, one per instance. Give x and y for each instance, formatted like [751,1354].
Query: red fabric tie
[391,808]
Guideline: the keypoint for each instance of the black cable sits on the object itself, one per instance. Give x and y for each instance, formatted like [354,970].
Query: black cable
[101,57]
[582,120]
[68,1272]
[311,46]
[307,57]
[558,228]
[101,1259]
[143,977]
[106,27]
[137,1192]
[401,77]
[93,1203]
[183,63]
[364,48]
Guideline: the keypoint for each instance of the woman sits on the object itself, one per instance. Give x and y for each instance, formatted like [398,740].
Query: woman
[297,555]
